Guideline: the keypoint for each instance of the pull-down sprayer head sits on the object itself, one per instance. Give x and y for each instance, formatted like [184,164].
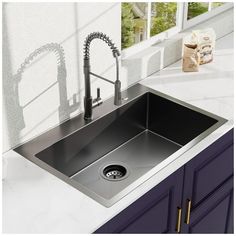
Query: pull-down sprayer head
[88,101]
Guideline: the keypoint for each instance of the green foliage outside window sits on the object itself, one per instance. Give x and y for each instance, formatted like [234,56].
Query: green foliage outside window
[127,24]
[217,4]
[196,8]
[164,16]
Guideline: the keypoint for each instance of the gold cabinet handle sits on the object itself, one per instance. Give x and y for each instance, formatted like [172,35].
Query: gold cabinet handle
[187,220]
[178,224]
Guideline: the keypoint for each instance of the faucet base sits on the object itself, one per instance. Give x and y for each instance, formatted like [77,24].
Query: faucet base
[117,96]
[88,105]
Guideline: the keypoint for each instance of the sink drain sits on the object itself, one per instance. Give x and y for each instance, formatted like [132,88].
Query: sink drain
[114,172]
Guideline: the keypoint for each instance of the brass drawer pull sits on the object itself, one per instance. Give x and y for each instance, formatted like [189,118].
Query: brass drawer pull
[187,220]
[179,214]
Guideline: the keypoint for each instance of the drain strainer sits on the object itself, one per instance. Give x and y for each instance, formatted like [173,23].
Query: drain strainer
[114,172]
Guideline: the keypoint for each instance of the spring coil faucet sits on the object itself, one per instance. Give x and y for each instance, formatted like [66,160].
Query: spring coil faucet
[89,102]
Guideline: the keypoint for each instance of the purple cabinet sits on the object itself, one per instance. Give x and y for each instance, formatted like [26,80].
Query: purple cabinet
[214,214]
[156,211]
[208,186]
[202,190]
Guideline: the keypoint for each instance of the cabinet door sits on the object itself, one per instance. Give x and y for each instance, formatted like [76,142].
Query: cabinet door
[154,212]
[212,215]
[208,184]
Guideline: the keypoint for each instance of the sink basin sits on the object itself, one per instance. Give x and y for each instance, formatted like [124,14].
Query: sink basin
[113,154]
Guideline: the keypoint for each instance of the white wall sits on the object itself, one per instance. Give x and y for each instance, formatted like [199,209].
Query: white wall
[28,26]
[45,98]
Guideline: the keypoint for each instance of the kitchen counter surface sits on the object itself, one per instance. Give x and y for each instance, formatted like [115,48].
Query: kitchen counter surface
[211,89]
[35,201]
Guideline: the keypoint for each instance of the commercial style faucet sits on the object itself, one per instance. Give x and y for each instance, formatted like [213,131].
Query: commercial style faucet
[89,102]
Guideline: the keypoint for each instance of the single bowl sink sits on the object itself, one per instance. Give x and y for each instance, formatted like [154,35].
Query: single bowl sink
[106,158]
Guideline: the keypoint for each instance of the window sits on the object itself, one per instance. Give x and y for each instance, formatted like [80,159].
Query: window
[196,12]
[163,17]
[134,23]
[142,20]
[216,4]
[196,9]
[146,23]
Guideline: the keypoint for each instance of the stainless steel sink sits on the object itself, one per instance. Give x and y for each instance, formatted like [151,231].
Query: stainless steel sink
[107,157]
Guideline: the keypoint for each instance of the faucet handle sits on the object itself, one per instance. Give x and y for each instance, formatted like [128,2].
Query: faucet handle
[98,100]
[98,93]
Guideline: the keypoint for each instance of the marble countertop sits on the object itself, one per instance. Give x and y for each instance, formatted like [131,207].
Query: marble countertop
[212,88]
[34,201]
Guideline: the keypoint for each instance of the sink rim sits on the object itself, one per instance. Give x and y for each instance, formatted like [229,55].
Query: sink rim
[26,151]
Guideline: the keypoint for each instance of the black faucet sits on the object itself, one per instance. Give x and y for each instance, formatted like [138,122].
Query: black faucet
[89,102]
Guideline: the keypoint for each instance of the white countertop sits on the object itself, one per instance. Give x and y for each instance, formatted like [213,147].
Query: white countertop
[35,201]
[211,88]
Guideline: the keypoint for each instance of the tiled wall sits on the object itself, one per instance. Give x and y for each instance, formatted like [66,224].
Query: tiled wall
[50,88]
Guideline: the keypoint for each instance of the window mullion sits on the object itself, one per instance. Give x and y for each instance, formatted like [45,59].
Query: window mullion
[180,16]
[149,15]
[209,6]
[185,15]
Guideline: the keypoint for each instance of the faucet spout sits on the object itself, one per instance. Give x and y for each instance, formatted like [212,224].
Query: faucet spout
[88,100]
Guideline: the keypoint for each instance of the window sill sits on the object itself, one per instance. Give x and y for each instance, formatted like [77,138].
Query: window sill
[142,64]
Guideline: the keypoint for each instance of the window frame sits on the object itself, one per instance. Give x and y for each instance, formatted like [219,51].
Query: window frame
[181,24]
[157,38]
[205,16]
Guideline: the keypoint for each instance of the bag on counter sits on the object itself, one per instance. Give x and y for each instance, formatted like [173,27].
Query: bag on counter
[191,58]
[205,40]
